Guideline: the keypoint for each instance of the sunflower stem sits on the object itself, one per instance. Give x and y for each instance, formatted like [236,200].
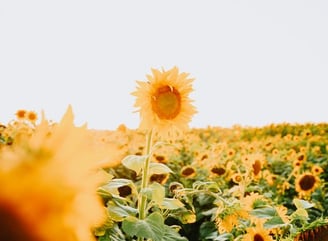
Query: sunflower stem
[144,181]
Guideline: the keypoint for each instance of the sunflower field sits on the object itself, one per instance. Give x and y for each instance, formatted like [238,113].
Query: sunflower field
[162,181]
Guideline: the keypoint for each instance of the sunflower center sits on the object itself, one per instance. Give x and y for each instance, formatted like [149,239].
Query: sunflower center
[258,237]
[218,170]
[307,182]
[12,227]
[188,171]
[124,191]
[166,102]
[257,167]
[160,178]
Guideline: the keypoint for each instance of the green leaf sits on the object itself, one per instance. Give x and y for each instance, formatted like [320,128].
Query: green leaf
[299,203]
[275,222]
[188,217]
[224,237]
[267,212]
[184,215]
[207,231]
[113,234]
[158,168]
[118,212]
[134,162]
[172,235]
[171,203]
[157,192]
[151,228]
[301,214]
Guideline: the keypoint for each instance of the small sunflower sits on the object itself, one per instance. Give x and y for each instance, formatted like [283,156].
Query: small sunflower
[306,183]
[218,170]
[316,170]
[21,114]
[257,233]
[31,116]
[227,223]
[163,102]
[229,217]
[252,200]
[160,178]
[237,178]
[188,172]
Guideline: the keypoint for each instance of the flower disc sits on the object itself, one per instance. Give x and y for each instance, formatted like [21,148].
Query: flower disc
[166,102]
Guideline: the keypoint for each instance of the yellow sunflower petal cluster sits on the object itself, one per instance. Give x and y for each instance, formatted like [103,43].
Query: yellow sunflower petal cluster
[257,233]
[48,185]
[163,102]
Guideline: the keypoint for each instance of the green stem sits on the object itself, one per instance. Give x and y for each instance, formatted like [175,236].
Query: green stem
[144,181]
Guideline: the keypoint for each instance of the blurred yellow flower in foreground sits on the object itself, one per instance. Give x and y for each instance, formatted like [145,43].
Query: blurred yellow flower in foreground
[48,185]
[164,103]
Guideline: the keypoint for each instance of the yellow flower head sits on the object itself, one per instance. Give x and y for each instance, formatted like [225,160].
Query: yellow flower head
[188,172]
[21,114]
[257,233]
[163,102]
[250,201]
[48,185]
[32,116]
[227,223]
[306,183]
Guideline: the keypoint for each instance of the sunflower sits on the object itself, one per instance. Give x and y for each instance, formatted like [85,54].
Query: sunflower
[252,200]
[229,217]
[21,114]
[236,178]
[163,102]
[254,164]
[32,116]
[188,172]
[316,170]
[218,170]
[160,178]
[227,223]
[306,183]
[257,233]
[48,180]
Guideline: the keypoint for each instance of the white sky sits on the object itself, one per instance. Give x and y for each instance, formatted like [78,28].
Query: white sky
[254,62]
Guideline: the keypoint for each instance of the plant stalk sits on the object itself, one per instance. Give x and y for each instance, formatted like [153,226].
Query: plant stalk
[145,178]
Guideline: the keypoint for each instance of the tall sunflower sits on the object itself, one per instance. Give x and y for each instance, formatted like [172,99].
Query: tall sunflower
[48,185]
[163,102]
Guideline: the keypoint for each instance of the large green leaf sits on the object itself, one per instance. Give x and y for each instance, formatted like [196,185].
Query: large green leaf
[118,212]
[300,214]
[134,162]
[299,203]
[113,234]
[158,168]
[151,227]
[158,192]
[171,203]
[267,212]
[275,222]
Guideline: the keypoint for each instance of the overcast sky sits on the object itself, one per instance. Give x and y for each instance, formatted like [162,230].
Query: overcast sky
[254,62]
